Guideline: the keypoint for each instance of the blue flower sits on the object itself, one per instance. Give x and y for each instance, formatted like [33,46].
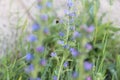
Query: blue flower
[74,52]
[35,27]
[46,31]
[29,68]
[40,49]
[53,54]
[43,62]
[61,34]
[66,12]
[88,65]
[29,57]
[55,78]
[88,46]
[75,74]
[72,14]
[32,38]
[38,78]
[69,3]
[44,17]
[76,34]
[65,64]
[39,7]
[49,4]
[90,29]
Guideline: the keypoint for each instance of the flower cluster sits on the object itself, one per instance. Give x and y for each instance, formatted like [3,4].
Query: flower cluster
[58,48]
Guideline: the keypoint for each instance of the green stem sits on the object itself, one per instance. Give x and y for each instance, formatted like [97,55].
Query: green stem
[60,70]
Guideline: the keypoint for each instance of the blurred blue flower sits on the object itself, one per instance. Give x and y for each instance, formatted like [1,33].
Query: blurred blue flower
[55,78]
[46,31]
[88,46]
[39,7]
[38,78]
[76,34]
[75,74]
[32,38]
[40,49]
[74,52]
[61,21]
[90,29]
[69,3]
[29,68]
[29,57]
[66,12]
[44,17]
[61,34]
[65,64]
[43,62]
[72,14]
[88,65]
[49,4]
[53,54]
[35,27]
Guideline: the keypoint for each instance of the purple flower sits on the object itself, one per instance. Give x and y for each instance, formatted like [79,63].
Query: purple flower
[55,78]
[72,14]
[89,78]
[44,17]
[32,38]
[88,46]
[46,31]
[66,12]
[74,52]
[35,27]
[90,29]
[39,7]
[75,74]
[65,64]
[53,54]
[76,34]
[88,65]
[61,34]
[29,69]
[69,3]
[61,21]
[49,4]
[40,49]
[29,57]
[43,62]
